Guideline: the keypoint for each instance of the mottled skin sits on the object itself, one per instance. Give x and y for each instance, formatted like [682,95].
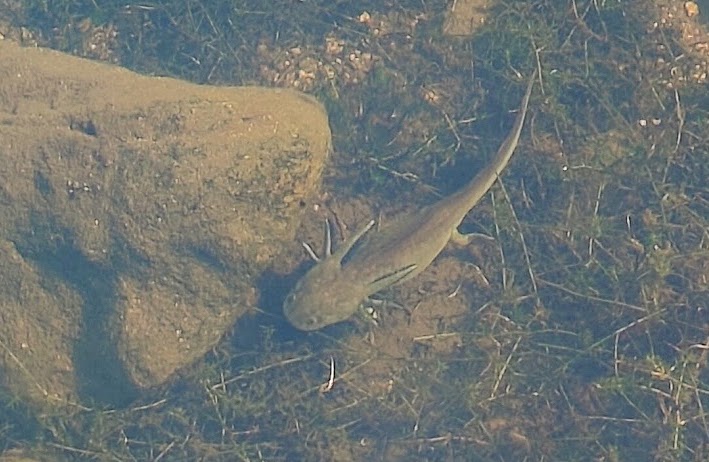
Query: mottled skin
[370,261]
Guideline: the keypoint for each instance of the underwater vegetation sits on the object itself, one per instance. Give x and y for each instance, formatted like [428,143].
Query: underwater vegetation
[585,335]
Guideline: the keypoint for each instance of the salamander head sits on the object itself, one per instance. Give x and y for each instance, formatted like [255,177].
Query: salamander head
[322,297]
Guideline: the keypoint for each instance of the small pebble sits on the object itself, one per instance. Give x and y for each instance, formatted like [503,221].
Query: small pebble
[691,9]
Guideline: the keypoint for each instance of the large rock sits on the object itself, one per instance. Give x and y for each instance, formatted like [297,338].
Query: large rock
[135,215]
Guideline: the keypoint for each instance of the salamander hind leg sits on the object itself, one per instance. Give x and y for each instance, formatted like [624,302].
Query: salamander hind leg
[459,238]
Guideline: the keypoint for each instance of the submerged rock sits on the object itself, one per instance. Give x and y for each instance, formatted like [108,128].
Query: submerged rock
[135,215]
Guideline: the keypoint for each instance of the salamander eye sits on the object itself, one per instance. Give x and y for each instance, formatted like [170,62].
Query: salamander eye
[290,299]
[312,322]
